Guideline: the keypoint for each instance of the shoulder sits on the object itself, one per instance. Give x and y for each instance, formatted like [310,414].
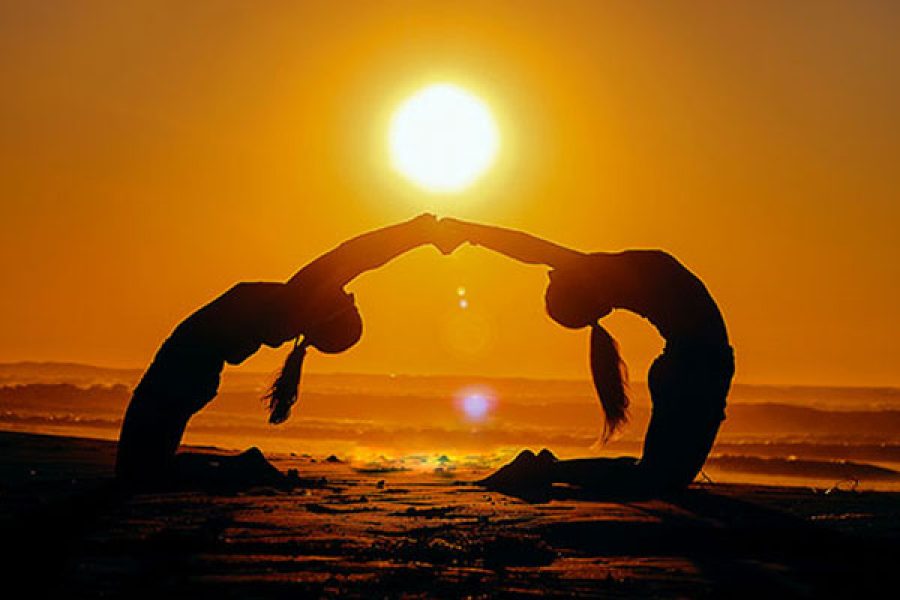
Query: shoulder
[649,253]
[637,261]
[239,299]
[251,290]
[645,255]
[651,256]
[251,287]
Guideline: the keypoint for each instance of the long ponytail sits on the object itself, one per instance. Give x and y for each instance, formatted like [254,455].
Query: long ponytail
[610,379]
[286,387]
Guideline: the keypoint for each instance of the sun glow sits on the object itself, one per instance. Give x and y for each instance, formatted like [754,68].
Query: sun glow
[443,138]
[475,403]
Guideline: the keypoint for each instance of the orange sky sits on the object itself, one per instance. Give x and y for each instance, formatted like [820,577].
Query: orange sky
[152,154]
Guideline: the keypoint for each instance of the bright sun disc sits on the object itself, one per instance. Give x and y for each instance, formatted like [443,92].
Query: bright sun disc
[443,138]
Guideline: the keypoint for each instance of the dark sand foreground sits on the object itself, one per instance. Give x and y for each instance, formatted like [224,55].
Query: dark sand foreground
[423,534]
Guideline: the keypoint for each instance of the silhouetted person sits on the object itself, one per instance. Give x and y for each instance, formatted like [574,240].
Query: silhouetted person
[311,308]
[688,382]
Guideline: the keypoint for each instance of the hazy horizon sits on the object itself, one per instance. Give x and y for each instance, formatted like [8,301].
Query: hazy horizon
[791,435]
[231,372]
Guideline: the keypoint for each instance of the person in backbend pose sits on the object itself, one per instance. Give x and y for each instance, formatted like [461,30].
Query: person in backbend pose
[688,382]
[311,308]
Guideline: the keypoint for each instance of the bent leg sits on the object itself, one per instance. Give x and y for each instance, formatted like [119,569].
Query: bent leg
[676,446]
[613,476]
[688,392]
[616,476]
[148,441]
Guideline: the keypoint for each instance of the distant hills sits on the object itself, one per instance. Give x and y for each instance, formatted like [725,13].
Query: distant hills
[63,372]
[540,391]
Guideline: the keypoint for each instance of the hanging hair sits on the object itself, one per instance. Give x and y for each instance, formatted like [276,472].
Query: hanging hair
[283,393]
[610,379]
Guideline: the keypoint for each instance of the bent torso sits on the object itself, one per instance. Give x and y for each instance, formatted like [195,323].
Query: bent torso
[654,285]
[184,377]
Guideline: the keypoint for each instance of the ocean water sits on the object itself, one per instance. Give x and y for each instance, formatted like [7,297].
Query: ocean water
[808,436]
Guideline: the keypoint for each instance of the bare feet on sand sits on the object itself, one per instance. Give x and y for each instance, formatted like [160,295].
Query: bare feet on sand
[529,471]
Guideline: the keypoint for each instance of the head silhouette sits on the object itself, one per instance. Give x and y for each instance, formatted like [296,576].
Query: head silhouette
[335,324]
[330,323]
[327,319]
[572,302]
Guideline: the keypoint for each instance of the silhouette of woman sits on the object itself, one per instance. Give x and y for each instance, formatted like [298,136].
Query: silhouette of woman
[688,382]
[312,305]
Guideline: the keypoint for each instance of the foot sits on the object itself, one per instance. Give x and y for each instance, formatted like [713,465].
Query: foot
[527,471]
[546,457]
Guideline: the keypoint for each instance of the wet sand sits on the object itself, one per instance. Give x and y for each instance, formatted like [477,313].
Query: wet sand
[425,534]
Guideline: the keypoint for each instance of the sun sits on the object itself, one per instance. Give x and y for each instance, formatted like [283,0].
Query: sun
[443,138]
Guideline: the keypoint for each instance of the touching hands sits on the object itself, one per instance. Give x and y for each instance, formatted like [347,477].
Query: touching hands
[445,234]
[449,236]
[456,231]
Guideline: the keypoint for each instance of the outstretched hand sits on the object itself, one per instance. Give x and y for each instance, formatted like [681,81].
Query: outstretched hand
[435,233]
[448,237]
[456,231]
[446,234]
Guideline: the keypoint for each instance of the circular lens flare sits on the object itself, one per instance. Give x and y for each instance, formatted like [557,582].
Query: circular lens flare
[476,406]
[475,403]
[443,138]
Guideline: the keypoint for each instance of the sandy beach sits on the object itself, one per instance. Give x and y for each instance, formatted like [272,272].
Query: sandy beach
[365,533]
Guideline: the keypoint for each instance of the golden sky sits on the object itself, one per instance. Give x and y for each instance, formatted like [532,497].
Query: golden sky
[154,153]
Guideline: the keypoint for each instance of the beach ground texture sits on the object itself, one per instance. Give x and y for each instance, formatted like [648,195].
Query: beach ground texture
[362,533]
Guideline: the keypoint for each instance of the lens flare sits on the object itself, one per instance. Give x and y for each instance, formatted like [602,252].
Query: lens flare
[476,406]
[475,403]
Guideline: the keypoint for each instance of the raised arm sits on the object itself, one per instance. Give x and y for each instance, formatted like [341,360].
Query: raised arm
[367,251]
[518,245]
